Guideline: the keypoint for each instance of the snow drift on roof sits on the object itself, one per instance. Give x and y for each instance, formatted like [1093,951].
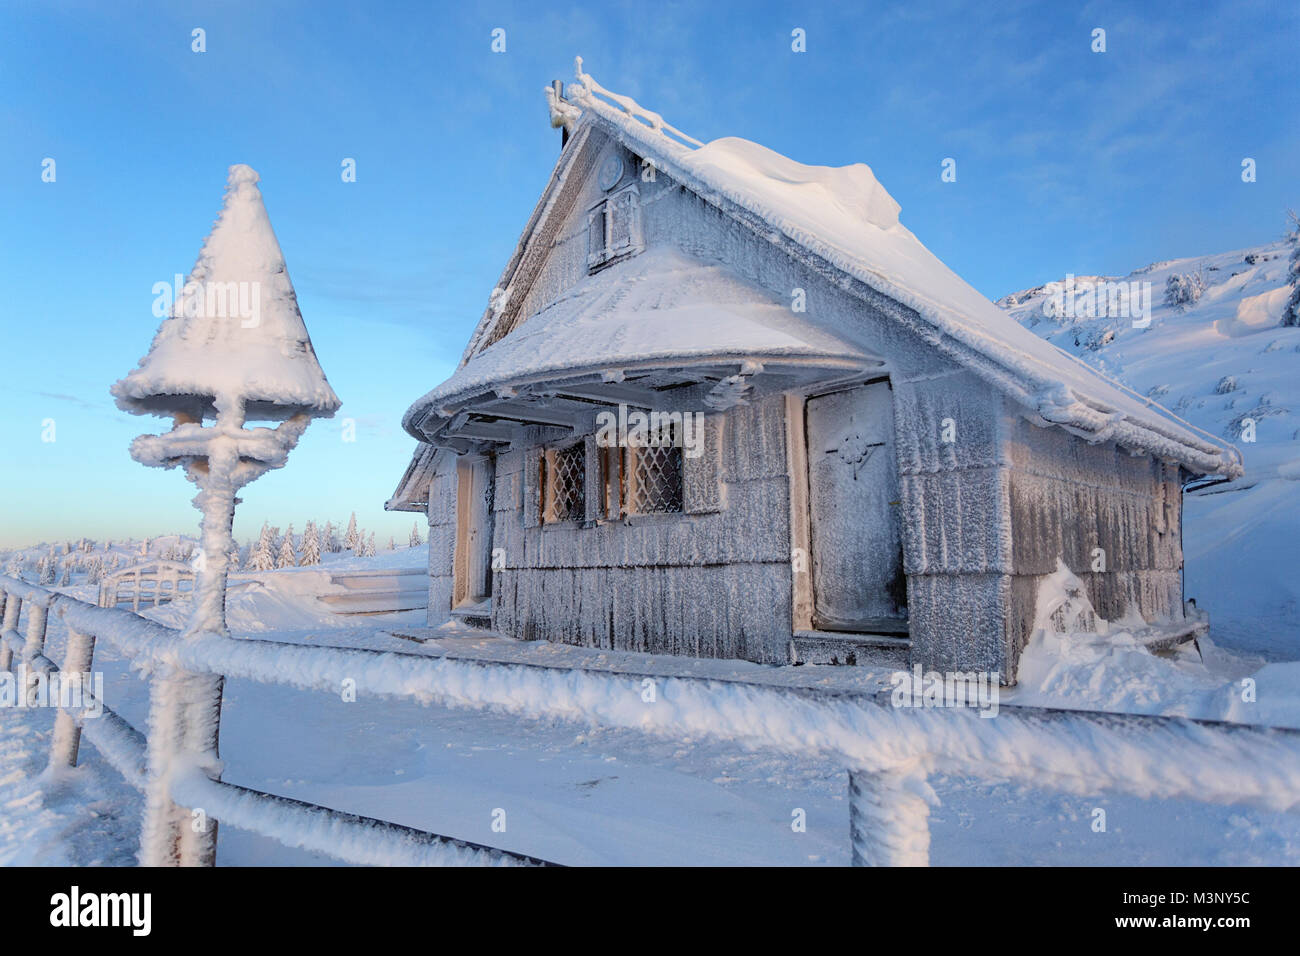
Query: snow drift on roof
[820,193]
[235,333]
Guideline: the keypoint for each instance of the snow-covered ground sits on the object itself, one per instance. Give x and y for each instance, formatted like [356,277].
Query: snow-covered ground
[581,795]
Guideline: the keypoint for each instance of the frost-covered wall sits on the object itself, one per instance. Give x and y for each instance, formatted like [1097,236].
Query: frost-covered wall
[1114,518]
[442,537]
[956,533]
[715,583]
[992,501]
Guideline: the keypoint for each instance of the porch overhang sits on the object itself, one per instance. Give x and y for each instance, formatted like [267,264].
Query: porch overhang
[662,332]
[498,415]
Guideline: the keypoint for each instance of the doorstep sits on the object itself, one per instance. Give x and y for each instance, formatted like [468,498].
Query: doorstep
[835,647]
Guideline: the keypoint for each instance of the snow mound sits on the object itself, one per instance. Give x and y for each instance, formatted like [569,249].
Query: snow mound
[793,190]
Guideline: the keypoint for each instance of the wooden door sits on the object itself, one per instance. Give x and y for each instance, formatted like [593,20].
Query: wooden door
[854,513]
[474,506]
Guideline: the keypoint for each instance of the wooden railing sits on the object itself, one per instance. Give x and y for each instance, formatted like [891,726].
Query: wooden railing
[889,752]
[161,775]
[149,584]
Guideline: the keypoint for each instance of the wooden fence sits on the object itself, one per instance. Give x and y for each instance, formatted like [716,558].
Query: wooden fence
[888,752]
[148,584]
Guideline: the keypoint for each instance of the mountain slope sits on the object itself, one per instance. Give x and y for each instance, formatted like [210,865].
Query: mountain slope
[1222,362]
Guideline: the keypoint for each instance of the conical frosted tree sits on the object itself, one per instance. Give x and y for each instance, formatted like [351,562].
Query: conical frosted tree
[66,578]
[310,544]
[359,547]
[368,551]
[330,539]
[416,540]
[288,557]
[352,540]
[392,545]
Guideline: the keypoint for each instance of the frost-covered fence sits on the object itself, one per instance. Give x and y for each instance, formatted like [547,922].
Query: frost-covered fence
[179,775]
[148,584]
[889,753]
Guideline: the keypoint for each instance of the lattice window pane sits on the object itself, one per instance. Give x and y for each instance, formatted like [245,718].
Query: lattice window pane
[565,484]
[654,484]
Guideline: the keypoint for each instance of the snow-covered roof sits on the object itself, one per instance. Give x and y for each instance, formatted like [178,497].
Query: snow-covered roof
[845,217]
[661,307]
[412,492]
[235,334]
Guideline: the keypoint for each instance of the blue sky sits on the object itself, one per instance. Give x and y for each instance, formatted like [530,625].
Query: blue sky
[1067,160]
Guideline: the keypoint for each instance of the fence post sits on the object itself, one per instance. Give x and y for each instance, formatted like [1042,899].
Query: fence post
[13,610]
[184,720]
[77,662]
[889,817]
[37,615]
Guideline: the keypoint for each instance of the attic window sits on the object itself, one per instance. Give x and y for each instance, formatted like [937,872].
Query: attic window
[614,228]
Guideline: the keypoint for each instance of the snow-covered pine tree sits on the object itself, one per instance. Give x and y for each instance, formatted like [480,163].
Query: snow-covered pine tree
[46,569]
[369,550]
[288,557]
[352,540]
[94,570]
[1183,290]
[65,579]
[262,558]
[330,539]
[359,548]
[310,544]
[416,540]
[1291,314]
[392,544]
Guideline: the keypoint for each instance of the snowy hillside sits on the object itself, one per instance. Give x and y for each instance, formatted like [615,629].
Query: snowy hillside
[1220,360]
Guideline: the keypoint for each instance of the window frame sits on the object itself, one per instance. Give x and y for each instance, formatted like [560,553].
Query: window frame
[630,197]
[629,486]
[548,468]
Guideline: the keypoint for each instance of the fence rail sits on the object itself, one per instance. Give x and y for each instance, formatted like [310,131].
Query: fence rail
[889,753]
